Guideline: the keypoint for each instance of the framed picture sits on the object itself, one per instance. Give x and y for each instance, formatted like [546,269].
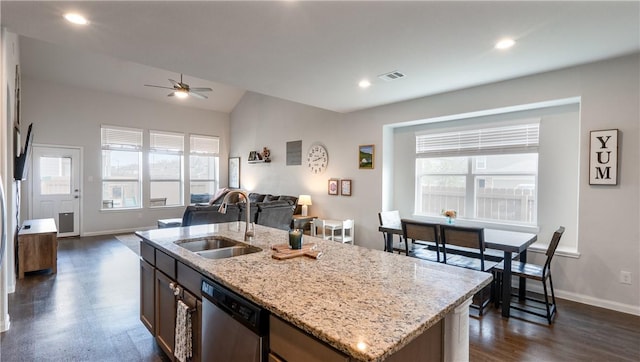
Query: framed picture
[345,187]
[333,186]
[253,156]
[366,156]
[603,157]
[234,172]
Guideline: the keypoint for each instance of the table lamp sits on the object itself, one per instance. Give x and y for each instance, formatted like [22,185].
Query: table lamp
[304,200]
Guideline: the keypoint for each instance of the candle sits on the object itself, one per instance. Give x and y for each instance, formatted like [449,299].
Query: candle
[295,239]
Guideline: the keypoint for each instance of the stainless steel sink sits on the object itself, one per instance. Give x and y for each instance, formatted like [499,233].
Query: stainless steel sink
[208,243]
[217,247]
[228,252]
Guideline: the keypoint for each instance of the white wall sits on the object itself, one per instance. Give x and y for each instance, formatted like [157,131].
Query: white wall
[259,121]
[608,216]
[10,58]
[64,115]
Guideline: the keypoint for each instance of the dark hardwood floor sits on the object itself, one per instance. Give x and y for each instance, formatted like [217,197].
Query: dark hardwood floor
[89,312]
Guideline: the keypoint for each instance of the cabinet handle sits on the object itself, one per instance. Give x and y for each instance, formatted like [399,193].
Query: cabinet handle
[175,288]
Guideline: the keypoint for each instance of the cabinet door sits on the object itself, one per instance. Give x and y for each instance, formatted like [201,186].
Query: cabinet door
[147,295]
[165,314]
[292,344]
[196,323]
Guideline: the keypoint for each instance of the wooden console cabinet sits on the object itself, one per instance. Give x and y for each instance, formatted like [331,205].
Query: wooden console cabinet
[37,246]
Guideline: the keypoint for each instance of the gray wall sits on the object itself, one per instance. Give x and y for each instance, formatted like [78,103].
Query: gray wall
[64,115]
[608,216]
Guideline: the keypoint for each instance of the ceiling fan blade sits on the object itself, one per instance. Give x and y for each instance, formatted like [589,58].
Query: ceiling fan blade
[175,84]
[201,89]
[198,95]
[171,94]
[156,86]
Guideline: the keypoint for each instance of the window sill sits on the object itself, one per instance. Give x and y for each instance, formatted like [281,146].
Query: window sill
[542,248]
[112,209]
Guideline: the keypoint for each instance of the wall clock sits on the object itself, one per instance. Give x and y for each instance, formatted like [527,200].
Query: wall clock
[317,158]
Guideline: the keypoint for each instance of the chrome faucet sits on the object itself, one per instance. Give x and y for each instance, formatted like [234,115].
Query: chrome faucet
[248,234]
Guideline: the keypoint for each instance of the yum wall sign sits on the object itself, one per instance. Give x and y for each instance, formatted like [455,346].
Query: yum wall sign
[603,159]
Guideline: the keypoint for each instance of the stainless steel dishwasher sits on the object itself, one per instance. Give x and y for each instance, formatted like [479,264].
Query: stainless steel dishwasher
[233,328]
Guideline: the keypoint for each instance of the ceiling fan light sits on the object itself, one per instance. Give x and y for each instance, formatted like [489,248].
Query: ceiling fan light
[181,94]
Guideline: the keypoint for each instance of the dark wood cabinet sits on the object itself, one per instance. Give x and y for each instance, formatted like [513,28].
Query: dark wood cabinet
[147,295]
[158,300]
[165,314]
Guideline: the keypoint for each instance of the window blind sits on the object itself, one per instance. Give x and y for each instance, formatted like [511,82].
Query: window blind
[512,138]
[121,138]
[165,141]
[204,145]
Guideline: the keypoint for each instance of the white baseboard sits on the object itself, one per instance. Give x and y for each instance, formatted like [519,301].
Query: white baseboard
[585,299]
[596,302]
[117,231]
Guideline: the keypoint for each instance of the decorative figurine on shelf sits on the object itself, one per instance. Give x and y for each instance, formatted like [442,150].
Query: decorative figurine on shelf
[266,154]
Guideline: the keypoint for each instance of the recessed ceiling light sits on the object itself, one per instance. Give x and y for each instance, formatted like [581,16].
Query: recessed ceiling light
[505,43]
[364,83]
[76,18]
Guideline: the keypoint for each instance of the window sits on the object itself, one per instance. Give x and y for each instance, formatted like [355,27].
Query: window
[203,167]
[487,174]
[121,167]
[55,175]
[165,168]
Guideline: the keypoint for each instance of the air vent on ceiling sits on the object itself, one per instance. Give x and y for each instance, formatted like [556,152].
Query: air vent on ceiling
[391,76]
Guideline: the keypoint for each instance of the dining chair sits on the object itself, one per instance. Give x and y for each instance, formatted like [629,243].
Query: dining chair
[423,232]
[318,224]
[469,247]
[540,273]
[346,236]
[392,219]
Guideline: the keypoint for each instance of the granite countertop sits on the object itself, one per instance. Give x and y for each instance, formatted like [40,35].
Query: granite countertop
[366,303]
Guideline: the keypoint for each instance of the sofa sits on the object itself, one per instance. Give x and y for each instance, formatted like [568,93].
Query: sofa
[269,210]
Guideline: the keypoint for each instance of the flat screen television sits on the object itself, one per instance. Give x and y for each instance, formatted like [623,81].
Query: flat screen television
[21,162]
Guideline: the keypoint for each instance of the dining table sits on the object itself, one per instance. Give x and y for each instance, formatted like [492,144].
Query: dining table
[508,242]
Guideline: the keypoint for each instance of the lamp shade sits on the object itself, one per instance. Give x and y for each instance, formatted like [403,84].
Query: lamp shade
[304,200]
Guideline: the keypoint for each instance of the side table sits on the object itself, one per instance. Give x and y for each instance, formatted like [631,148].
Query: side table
[37,246]
[302,222]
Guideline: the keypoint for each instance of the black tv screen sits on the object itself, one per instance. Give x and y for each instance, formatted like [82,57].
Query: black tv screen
[21,161]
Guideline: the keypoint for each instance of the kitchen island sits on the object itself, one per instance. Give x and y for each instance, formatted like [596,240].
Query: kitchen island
[365,303]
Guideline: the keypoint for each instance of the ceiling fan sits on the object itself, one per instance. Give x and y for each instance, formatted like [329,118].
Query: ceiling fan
[182,90]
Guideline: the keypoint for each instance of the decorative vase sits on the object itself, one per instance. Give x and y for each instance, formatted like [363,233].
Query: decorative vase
[450,220]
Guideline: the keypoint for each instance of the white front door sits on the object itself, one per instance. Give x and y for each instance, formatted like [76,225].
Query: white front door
[56,187]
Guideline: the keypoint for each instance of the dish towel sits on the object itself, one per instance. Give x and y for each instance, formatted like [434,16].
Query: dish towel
[183,347]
